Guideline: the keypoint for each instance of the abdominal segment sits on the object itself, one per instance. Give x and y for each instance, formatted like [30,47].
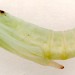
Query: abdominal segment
[62,45]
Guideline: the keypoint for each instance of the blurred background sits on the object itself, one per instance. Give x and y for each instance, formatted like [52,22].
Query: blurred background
[58,15]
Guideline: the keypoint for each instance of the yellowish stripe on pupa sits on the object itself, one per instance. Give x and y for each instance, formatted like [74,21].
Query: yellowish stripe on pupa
[64,54]
[47,46]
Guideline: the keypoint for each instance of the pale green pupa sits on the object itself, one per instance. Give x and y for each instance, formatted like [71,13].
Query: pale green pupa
[35,43]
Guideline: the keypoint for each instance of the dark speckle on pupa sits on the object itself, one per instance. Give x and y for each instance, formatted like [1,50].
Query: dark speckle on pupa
[2,12]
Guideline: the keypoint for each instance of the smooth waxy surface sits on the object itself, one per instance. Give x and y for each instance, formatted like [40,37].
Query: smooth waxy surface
[33,42]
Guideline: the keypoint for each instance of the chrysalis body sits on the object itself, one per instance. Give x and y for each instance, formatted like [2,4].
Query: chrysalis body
[33,42]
